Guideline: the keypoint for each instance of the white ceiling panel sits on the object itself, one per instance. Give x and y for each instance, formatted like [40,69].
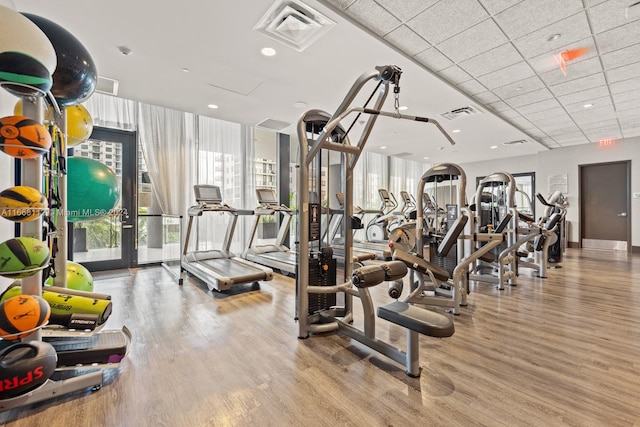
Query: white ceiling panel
[575,70]
[492,60]
[584,95]
[627,96]
[410,41]
[593,102]
[406,9]
[472,87]
[623,73]
[610,14]
[625,85]
[529,98]
[476,40]
[373,16]
[572,29]
[497,6]
[486,97]
[455,74]
[519,88]
[545,105]
[507,75]
[447,18]
[577,85]
[618,58]
[618,38]
[531,15]
[433,59]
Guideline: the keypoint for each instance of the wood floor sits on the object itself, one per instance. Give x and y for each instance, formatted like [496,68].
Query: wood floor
[563,351]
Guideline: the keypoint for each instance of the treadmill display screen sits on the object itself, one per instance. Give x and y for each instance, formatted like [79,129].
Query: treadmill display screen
[266,196]
[208,193]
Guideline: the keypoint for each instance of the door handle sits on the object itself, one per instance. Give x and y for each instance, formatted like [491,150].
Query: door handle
[127,226]
[622,214]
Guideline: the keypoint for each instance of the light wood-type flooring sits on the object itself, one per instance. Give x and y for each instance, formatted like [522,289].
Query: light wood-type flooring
[561,351]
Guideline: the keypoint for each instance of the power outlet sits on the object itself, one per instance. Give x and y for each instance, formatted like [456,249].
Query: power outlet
[636,195]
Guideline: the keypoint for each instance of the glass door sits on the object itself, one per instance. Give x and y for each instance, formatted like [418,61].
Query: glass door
[108,242]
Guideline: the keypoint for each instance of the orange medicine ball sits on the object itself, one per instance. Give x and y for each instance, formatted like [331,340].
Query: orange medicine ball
[23,138]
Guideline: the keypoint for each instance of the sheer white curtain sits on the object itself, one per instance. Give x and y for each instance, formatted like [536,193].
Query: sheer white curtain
[225,158]
[112,112]
[167,140]
[404,175]
[370,174]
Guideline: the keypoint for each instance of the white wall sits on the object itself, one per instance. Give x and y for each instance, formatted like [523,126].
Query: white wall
[566,161]
[265,143]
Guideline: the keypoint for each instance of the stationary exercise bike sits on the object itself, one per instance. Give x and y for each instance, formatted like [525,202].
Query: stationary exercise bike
[378,228]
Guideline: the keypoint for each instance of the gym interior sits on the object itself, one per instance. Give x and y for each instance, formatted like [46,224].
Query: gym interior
[319,212]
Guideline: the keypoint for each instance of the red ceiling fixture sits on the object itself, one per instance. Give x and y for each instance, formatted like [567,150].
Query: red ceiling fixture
[568,55]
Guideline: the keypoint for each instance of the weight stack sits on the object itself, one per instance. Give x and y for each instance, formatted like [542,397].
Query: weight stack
[321,277]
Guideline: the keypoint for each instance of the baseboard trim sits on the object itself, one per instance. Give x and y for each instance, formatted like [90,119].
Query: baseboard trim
[635,249]
[574,245]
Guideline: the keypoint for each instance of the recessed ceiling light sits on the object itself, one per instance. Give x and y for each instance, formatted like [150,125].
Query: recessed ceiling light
[403,108]
[455,131]
[185,70]
[268,51]
[493,147]
[519,88]
[212,106]
[383,147]
[425,158]
[554,37]
[300,104]
[588,105]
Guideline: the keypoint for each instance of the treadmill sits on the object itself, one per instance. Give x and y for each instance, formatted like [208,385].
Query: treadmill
[219,269]
[382,251]
[276,255]
[335,225]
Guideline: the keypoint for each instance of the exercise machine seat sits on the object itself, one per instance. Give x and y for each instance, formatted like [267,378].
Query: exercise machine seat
[417,319]
[452,235]
[420,264]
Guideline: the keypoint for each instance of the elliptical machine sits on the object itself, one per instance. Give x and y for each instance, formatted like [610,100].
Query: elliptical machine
[378,228]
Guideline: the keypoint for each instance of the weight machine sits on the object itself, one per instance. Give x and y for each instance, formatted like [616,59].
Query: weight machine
[316,292]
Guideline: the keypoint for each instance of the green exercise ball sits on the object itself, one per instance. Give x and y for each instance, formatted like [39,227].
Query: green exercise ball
[93,189]
[78,277]
[22,253]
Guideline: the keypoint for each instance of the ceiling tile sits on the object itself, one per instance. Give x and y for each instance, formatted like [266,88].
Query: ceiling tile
[575,70]
[631,132]
[455,74]
[477,39]
[445,19]
[580,106]
[545,114]
[624,86]
[627,96]
[608,15]
[573,29]
[406,9]
[519,88]
[486,97]
[621,57]
[472,87]
[491,60]
[538,106]
[529,98]
[575,142]
[520,122]
[594,124]
[585,95]
[373,16]
[565,133]
[557,119]
[628,105]
[341,4]
[606,132]
[578,85]
[510,114]
[624,114]
[434,60]
[594,114]
[497,6]
[531,15]
[631,121]
[623,73]
[618,38]
[504,76]
[498,106]
[406,40]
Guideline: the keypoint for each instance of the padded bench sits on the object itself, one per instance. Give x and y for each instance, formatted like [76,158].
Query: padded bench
[421,265]
[417,319]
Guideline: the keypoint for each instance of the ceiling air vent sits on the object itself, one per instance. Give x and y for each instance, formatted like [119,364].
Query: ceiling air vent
[516,142]
[273,124]
[107,85]
[294,24]
[461,112]
[403,154]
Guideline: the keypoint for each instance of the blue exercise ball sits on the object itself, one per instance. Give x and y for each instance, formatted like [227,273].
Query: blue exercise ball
[93,190]
[76,76]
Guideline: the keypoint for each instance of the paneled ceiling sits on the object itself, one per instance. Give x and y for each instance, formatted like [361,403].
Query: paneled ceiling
[502,54]
[491,55]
